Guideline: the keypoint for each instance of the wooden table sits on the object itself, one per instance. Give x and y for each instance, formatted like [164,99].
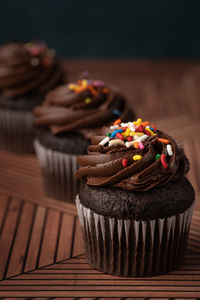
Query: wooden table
[41,249]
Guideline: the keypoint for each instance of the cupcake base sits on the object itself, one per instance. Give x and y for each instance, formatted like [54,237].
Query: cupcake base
[58,173]
[134,248]
[16,131]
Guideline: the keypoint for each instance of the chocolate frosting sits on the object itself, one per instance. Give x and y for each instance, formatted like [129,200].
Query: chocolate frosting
[84,107]
[27,68]
[103,164]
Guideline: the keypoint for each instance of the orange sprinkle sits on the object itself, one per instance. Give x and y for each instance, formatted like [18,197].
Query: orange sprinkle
[105,90]
[164,141]
[79,90]
[136,145]
[92,90]
[146,123]
[117,122]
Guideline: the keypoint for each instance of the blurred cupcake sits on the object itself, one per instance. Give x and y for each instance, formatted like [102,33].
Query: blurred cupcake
[27,72]
[135,203]
[70,115]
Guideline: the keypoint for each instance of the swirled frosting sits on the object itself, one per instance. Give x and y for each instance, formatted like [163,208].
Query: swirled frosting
[83,106]
[134,156]
[28,68]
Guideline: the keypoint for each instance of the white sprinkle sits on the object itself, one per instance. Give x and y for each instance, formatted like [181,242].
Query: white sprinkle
[104,141]
[114,127]
[35,61]
[132,128]
[128,144]
[136,137]
[147,127]
[142,138]
[124,124]
[169,150]
[116,141]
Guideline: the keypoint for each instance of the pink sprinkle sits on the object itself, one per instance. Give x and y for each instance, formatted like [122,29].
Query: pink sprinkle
[141,145]
[98,83]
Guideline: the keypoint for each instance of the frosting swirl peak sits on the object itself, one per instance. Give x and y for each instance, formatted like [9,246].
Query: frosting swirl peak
[28,68]
[133,156]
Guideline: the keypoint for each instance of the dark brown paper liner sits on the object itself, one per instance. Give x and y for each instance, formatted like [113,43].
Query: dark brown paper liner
[58,173]
[16,131]
[134,248]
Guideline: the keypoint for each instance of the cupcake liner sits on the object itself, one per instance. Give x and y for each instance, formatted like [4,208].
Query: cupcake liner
[134,248]
[58,173]
[16,131]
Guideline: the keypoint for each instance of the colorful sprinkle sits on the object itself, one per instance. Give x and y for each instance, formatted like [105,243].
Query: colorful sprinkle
[149,130]
[169,150]
[118,134]
[146,123]
[164,141]
[98,83]
[104,141]
[87,100]
[108,134]
[114,127]
[136,145]
[142,138]
[115,132]
[163,160]
[117,122]
[157,156]
[137,157]
[116,112]
[129,138]
[124,162]
[116,141]
[141,145]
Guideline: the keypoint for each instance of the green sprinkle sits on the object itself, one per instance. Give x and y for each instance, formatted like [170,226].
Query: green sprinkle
[87,100]
[108,133]
[157,156]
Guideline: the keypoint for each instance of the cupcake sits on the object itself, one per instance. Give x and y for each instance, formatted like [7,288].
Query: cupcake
[27,72]
[69,116]
[135,203]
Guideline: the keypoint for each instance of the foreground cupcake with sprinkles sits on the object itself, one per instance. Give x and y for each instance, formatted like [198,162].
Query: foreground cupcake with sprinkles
[135,203]
[69,116]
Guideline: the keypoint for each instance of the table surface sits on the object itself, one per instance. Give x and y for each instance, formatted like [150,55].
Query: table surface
[41,249]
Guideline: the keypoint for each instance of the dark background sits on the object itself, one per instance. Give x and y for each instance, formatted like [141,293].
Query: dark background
[142,28]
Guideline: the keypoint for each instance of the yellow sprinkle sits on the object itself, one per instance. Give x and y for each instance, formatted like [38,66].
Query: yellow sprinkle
[127,132]
[87,100]
[149,130]
[123,134]
[137,157]
[84,83]
[72,87]
[136,133]
[139,121]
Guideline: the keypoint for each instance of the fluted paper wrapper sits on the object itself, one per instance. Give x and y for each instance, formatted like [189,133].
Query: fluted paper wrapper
[58,173]
[134,248]
[16,131]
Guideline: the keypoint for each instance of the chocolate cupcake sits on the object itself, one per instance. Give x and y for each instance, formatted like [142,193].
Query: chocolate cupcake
[69,116]
[27,72]
[135,203]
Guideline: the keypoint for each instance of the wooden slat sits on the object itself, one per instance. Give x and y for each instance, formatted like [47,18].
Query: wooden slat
[35,239]
[8,234]
[49,239]
[66,237]
[16,260]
